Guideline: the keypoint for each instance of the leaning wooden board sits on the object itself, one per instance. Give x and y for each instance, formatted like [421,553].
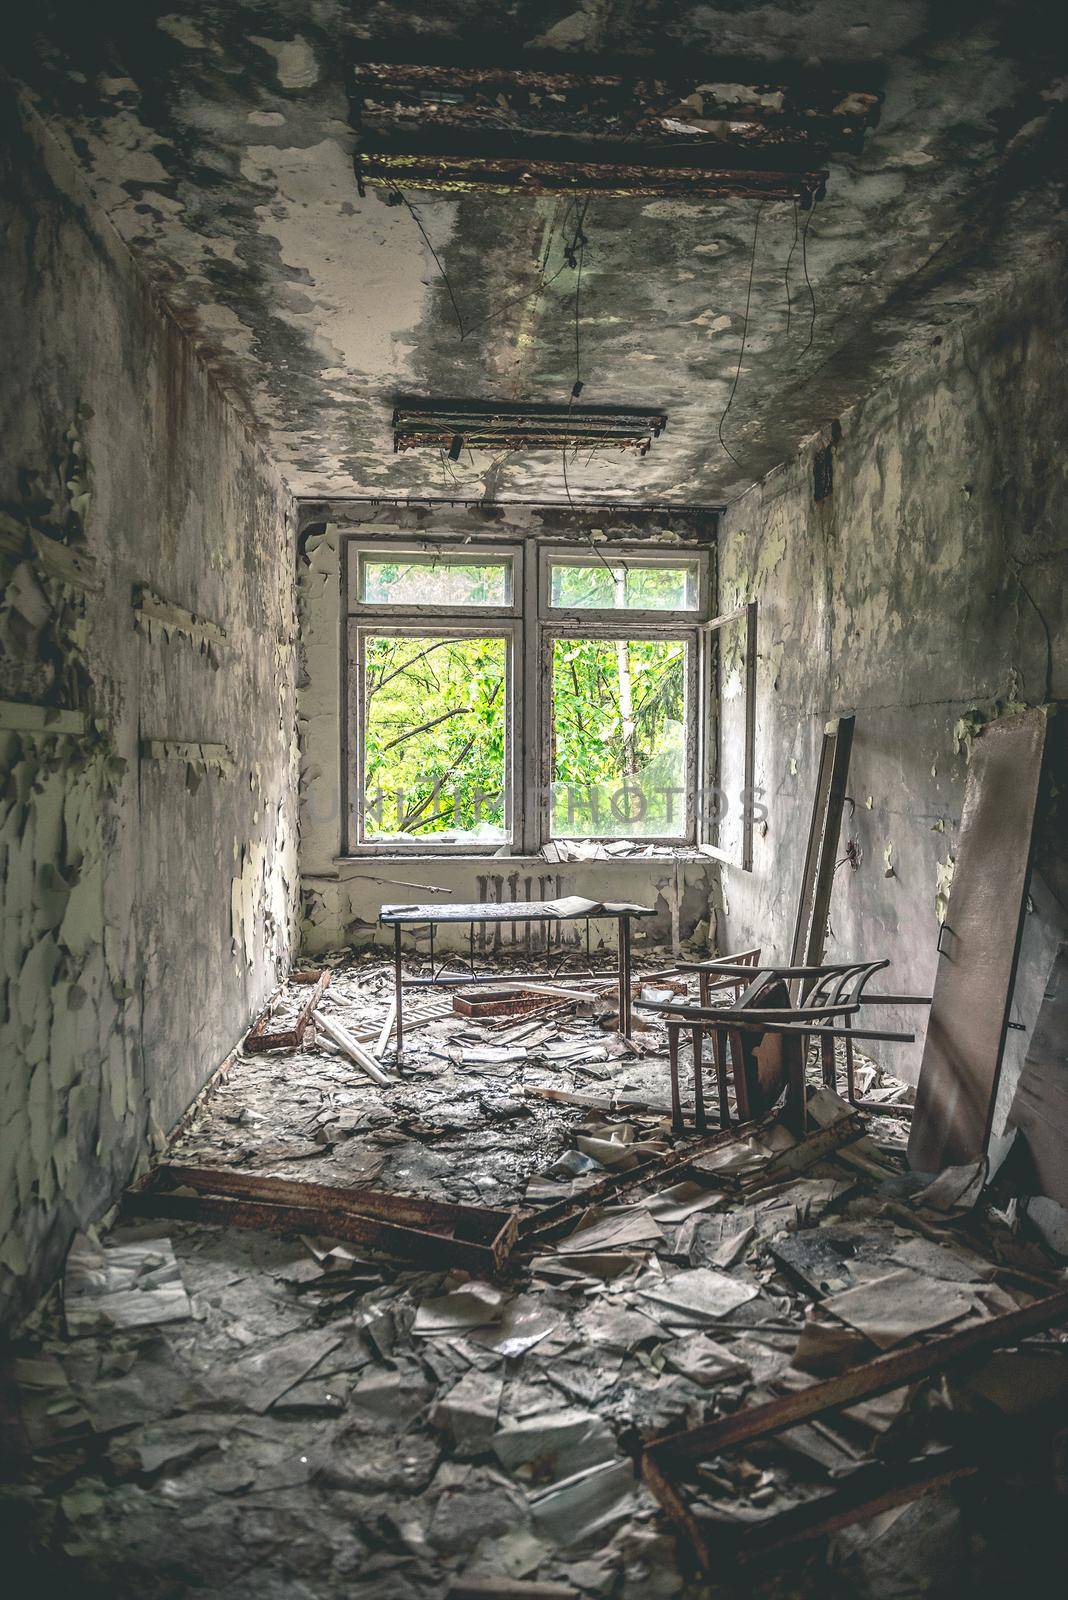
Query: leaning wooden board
[1040,1104]
[978,945]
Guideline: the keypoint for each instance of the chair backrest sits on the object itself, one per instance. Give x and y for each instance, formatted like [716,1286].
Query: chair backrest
[841,984]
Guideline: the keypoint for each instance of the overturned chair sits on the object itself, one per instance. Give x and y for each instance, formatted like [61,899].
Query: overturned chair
[764,1018]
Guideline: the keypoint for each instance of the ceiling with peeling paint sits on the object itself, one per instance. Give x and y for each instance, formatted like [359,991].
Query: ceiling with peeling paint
[217,139]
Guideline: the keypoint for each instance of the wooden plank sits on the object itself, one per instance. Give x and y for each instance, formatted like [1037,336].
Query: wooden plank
[872,1378]
[1040,1104]
[979,945]
[817,877]
[427,1231]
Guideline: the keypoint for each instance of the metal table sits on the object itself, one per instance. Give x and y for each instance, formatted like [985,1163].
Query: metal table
[432,916]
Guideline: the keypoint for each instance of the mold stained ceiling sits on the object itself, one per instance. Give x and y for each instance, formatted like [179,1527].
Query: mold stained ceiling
[216,137]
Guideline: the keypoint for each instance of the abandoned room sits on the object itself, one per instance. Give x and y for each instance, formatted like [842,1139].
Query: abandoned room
[533,650]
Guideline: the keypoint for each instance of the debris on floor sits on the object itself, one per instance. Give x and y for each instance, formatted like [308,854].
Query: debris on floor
[257,1370]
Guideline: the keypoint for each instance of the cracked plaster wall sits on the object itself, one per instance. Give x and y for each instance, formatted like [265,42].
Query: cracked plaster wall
[148,900]
[900,596]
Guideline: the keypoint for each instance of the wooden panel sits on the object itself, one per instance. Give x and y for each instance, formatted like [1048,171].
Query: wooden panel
[978,946]
[1040,1105]
[817,878]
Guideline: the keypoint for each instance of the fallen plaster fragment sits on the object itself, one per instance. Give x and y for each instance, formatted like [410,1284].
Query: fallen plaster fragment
[469,1411]
[122,1286]
[475,1305]
[581,1509]
[545,1448]
[258,1380]
[898,1306]
[631,1225]
[697,1292]
[703,1361]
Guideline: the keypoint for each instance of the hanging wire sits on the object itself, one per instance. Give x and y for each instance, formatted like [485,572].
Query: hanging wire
[574,254]
[808,280]
[466,329]
[789,262]
[745,333]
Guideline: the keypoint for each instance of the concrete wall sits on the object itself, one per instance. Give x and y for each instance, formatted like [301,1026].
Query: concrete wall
[148,903]
[903,596]
[342,895]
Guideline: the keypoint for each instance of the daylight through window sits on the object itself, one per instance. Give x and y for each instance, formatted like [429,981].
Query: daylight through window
[510,696]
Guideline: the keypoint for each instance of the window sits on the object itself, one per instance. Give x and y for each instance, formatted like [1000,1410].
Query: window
[434,579]
[435,735]
[576,583]
[619,738]
[505,697]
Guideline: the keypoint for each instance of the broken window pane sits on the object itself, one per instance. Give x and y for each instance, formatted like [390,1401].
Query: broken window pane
[623,586]
[619,738]
[433,579]
[435,730]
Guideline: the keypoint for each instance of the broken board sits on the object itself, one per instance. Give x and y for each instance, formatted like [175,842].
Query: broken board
[432,1232]
[978,946]
[817,876]
[1040,1105]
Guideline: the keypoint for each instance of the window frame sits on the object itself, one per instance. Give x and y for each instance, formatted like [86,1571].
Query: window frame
[550,633]
[530,625]
[634,556]
[480,554]
[359,629]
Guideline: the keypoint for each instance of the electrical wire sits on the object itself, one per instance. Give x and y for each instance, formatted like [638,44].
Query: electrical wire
[466,329]
[808,280]
[575,254]
[789,262]
[745,334]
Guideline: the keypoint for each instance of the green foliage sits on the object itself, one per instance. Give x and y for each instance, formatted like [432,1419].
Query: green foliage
[600,748]
[435,735]
[607,587]
[428,580]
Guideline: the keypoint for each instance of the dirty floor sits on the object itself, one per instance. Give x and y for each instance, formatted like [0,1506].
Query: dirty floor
[207,1411]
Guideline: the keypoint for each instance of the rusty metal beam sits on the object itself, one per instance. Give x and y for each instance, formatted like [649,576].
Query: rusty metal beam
[685,100]
[430,1231]
[872,1488]
[617,174]
[258,1039]
[480,425]
[457,122]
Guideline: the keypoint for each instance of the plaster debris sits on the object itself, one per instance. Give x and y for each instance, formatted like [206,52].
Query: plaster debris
[125,1286]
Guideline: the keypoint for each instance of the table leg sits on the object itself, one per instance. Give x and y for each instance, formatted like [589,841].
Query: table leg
[719,1056]
[398,983]
[698,1083]
[827,1061]
[673,1062]
[625,1014]
[702,987]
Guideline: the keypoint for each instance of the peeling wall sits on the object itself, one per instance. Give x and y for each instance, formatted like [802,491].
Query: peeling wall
[916,592]
[147,818]
[342,896]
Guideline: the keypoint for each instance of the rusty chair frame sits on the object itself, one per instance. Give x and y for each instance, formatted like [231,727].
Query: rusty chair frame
[823,996]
